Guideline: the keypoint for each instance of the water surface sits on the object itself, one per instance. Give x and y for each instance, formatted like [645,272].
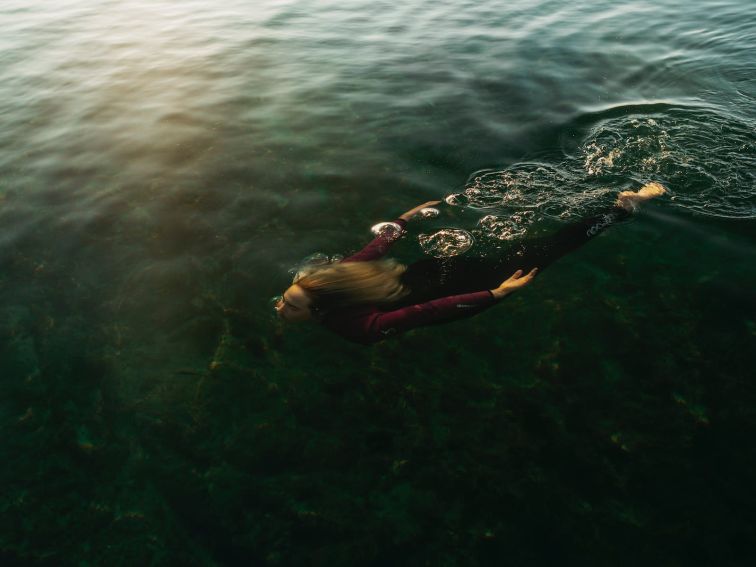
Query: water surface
[165,164]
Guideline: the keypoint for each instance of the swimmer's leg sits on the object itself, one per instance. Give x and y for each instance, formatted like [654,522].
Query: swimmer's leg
[629,200]
[437,277]
[541,252]
[440,277]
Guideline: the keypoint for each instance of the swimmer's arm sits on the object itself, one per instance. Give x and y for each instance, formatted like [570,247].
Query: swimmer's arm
[381,243]
[378,247]
[413,211]
[433,312]
[514,282]
[444,309]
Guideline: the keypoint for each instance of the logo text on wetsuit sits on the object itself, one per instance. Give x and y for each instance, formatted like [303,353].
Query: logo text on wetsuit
[606,221]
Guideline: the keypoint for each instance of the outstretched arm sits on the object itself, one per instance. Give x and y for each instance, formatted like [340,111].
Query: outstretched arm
[444,309]
[378,247]
[433,312]
[412,212]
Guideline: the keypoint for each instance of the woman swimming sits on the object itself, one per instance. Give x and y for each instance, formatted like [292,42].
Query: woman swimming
[365,298]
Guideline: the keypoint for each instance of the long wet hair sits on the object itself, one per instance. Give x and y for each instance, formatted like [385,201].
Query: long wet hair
[346,284]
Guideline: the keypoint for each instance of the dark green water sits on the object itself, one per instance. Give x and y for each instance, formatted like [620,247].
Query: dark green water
[164,164]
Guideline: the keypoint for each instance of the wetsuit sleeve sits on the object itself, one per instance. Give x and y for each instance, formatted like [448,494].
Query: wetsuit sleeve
[441,310]
[378,246]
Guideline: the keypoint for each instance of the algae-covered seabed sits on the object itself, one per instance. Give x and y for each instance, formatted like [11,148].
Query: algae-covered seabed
[162,168]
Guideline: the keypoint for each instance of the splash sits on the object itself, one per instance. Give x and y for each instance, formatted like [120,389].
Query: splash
[638,145]
[706,159]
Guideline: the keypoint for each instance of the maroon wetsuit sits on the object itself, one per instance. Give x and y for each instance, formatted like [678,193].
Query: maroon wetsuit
[445,289]
[370,324]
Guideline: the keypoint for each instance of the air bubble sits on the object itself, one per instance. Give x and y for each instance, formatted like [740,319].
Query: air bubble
[386,228]
[446,242]
[429,213]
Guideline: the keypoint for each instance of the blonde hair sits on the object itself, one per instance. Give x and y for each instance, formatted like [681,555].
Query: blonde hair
[353,283]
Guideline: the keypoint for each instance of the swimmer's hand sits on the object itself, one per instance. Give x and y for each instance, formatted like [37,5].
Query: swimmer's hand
[412,212]
[515,282]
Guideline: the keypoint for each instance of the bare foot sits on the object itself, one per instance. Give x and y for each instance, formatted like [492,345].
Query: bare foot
[629,199]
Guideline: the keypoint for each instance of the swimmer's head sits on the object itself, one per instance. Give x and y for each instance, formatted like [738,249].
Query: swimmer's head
[294,305]
[316,290]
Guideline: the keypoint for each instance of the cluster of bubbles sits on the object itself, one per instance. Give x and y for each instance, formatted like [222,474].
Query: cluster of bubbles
[446,242]
[442,243]
[390,229]
[523,185]
[502,227]
[515,198]
[429,213]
